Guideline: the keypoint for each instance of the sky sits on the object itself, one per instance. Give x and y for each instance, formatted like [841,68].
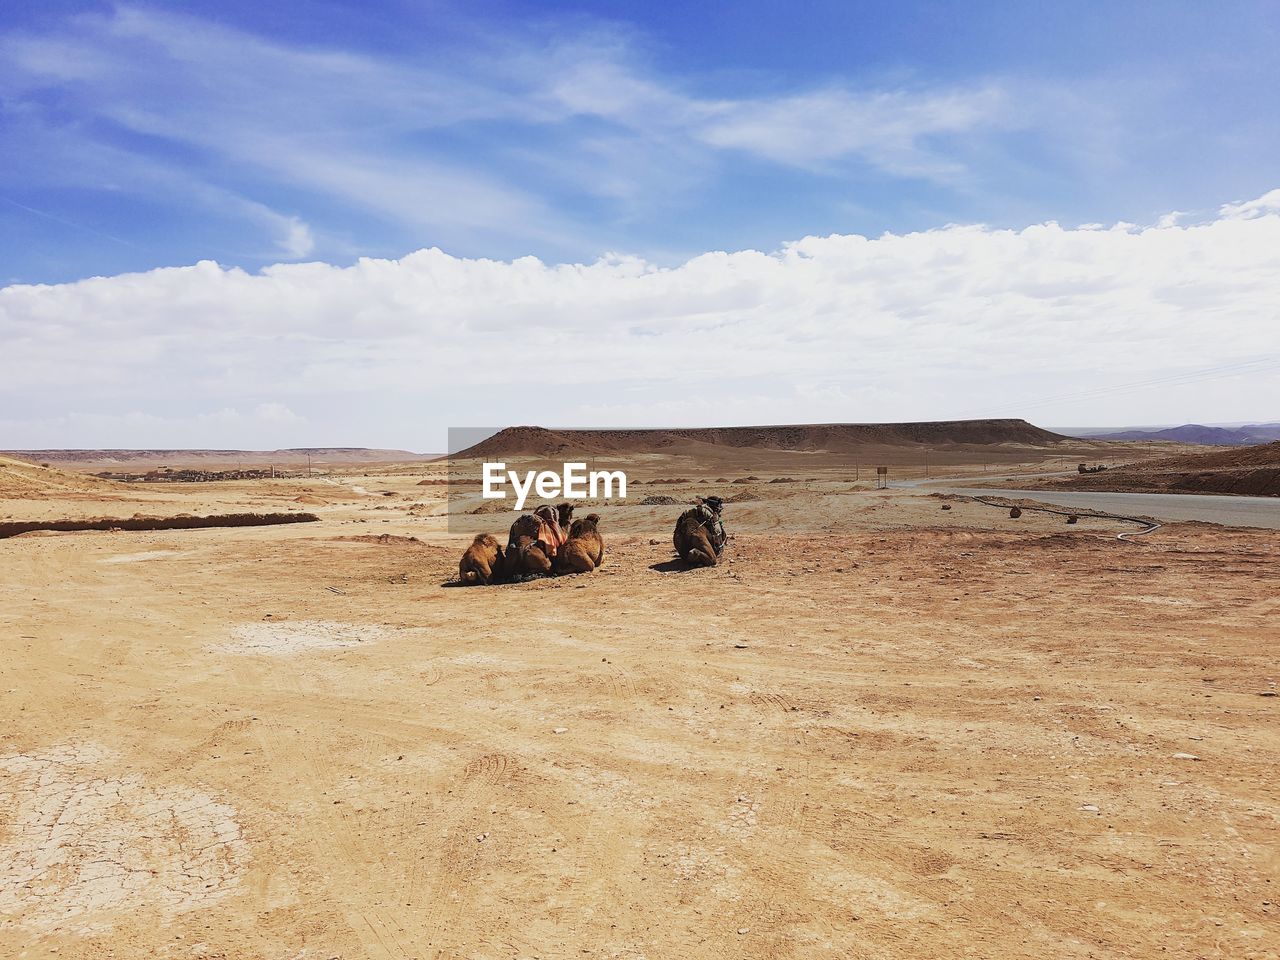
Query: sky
[255,225]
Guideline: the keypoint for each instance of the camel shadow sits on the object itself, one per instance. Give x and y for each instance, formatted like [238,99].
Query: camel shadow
[527,578]
[675,565]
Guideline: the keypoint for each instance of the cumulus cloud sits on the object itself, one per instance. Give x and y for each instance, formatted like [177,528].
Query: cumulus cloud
[1268,203]
[957,321]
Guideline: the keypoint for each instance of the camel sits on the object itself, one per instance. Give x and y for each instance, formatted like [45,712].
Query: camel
[584,550]
[483,561]
[564,513]
[535,539]
[555,525]
[527,554]
[694,532]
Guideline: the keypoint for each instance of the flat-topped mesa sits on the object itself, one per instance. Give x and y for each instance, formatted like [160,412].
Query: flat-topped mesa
[833,437]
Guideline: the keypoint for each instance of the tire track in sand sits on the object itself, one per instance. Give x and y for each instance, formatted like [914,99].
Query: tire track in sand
[367,896]
[460,849]
[328,833]
[763,820]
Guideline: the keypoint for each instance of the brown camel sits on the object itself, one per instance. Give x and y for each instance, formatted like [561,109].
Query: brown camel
[584,550]
[528,554]
[564,514]
[555,525]
[692,538]
[482,563]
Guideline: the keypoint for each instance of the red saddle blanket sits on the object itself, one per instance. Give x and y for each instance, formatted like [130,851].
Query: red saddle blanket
[549,532]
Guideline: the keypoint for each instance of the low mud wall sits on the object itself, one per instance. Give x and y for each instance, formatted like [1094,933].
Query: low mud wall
[12,528]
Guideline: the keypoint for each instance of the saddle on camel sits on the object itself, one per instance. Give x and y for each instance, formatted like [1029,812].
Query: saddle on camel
[699,536]
[534,541]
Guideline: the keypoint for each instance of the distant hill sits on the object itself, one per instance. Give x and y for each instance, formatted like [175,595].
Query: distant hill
[832,437]
[1198,433]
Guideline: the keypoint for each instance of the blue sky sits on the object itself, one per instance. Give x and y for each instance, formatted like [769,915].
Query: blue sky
[282,224]
[139,135]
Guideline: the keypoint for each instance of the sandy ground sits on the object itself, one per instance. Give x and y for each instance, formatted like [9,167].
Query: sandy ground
[882,730]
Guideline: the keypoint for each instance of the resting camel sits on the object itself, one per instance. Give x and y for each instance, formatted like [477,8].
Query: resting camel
[692,537]
[482,563]
[527,554]
[564,514]
[534,541]
[584,550]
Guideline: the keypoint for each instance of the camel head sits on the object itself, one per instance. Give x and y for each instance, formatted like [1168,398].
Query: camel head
[564,512]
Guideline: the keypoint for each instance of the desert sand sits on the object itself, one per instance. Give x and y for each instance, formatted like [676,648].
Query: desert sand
[880,729]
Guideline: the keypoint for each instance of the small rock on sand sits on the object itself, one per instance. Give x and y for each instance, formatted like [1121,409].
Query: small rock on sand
[1185,756]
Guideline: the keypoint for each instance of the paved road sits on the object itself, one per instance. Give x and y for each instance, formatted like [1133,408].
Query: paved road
[1229,511]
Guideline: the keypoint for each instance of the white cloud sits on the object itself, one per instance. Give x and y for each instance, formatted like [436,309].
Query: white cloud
[1268,203]
[962,320]
[276,413]
[297,241]
[240,107]
[890,130]
[578,114]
